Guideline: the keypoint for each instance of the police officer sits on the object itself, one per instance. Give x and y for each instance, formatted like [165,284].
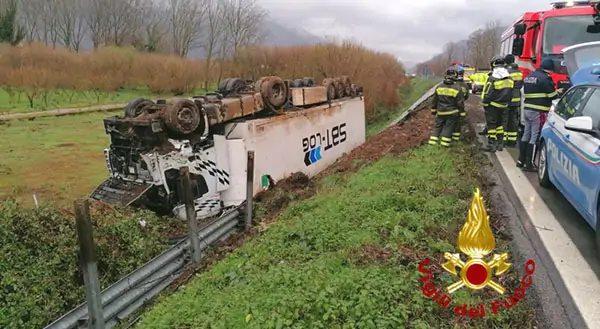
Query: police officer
[448,102]
[511,117]
[497,95]
[463,113]
[539,92]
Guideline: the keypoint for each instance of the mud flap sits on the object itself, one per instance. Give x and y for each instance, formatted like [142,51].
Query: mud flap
[114,190]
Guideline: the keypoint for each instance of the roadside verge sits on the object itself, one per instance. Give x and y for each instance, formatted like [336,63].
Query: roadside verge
[565,285]
[348,256]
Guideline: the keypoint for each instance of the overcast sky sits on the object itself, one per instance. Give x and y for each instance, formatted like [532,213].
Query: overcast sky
[413,30]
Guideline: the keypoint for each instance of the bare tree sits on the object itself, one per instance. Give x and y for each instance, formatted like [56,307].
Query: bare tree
[70,23]
[155,27]
[243,23]
[98,21]
[30,16]
[186,21]
[213,34]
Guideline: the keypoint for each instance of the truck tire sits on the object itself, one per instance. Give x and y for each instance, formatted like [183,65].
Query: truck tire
[274,92]
[136,107]
[329,84]
[340,91]
[223,85]
[309,82]
[347,84]
[298,83]
[183,116]
[234,84]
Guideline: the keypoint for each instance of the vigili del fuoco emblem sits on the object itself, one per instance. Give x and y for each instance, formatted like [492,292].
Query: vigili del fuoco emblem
[476,240]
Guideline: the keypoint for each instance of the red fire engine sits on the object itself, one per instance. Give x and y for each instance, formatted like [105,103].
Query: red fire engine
[537,35]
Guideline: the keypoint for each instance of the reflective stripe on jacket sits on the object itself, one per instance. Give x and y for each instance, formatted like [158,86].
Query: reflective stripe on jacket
[498,89]
[539,91]
[448,98]
[517,77]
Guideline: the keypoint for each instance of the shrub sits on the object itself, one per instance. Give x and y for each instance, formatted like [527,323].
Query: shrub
[39,274]
[35,70]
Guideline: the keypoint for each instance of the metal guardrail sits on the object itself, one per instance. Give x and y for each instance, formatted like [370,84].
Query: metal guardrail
[130,293]
[415,106]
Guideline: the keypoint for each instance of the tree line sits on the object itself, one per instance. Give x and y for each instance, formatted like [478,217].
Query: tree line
[476,50]
[218,27]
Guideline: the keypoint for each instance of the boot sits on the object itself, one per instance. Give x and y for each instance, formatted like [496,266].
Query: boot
[529,159]
[491,145]
[510,144]
[522,154]
[500,144]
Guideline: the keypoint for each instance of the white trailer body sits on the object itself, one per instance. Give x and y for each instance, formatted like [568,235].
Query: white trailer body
[306,141]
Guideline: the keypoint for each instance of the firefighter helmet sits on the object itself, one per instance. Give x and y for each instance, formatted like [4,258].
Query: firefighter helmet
[452,72]
[497,60]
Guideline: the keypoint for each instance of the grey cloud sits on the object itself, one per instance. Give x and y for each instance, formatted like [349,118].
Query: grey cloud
[412,31]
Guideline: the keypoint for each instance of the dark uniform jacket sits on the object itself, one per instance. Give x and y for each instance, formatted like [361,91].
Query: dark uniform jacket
[448,98]
[517,77]
[465,91]
[498,89]
[539,91]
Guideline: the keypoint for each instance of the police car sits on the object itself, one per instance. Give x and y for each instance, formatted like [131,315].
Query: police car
[569,157]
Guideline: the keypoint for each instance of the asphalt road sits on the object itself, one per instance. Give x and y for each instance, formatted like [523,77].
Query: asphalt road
[582,235]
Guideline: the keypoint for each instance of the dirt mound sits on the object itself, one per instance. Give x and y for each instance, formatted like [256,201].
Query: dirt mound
[399,138]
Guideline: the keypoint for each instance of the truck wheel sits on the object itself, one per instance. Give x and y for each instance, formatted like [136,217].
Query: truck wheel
[543,167]
[183,116]
[340,91]
[309,82]
[347,84]
[136,107]
[274,92]
[234,84]
[223,85]
[329,84]
[298,83]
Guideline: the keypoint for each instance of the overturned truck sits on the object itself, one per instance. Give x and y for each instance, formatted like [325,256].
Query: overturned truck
[291,125]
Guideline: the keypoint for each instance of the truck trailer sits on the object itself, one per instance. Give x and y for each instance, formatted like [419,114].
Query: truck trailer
[291,125]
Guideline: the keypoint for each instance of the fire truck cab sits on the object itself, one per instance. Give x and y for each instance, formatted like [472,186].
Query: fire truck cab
[537,35]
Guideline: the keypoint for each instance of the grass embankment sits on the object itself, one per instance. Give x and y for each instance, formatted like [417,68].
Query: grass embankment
[39,275]
[59,158]
[409,94]
[348,257]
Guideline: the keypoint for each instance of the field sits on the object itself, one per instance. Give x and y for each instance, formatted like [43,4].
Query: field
[61,158]
[348,256]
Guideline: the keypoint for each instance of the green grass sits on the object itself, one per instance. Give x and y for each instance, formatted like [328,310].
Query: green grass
[60,158]
[348,257]
[19,103]
[409,94]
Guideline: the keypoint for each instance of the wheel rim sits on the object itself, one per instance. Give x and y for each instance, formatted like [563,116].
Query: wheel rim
[542,165]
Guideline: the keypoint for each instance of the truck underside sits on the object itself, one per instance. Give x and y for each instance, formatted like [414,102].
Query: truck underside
[152,142]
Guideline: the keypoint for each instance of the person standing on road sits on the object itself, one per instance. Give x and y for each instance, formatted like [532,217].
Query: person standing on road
[511,119]
[447,104]
[496,98]
[539,92]
[465,90]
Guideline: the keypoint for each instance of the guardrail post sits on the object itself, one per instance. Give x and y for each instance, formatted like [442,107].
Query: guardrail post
[187,196]
[89,264]
[249,189]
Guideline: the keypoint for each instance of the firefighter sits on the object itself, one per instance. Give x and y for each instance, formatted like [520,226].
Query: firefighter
[539,92]
[497,94]
[448,102]
[511,117]
[463,113]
